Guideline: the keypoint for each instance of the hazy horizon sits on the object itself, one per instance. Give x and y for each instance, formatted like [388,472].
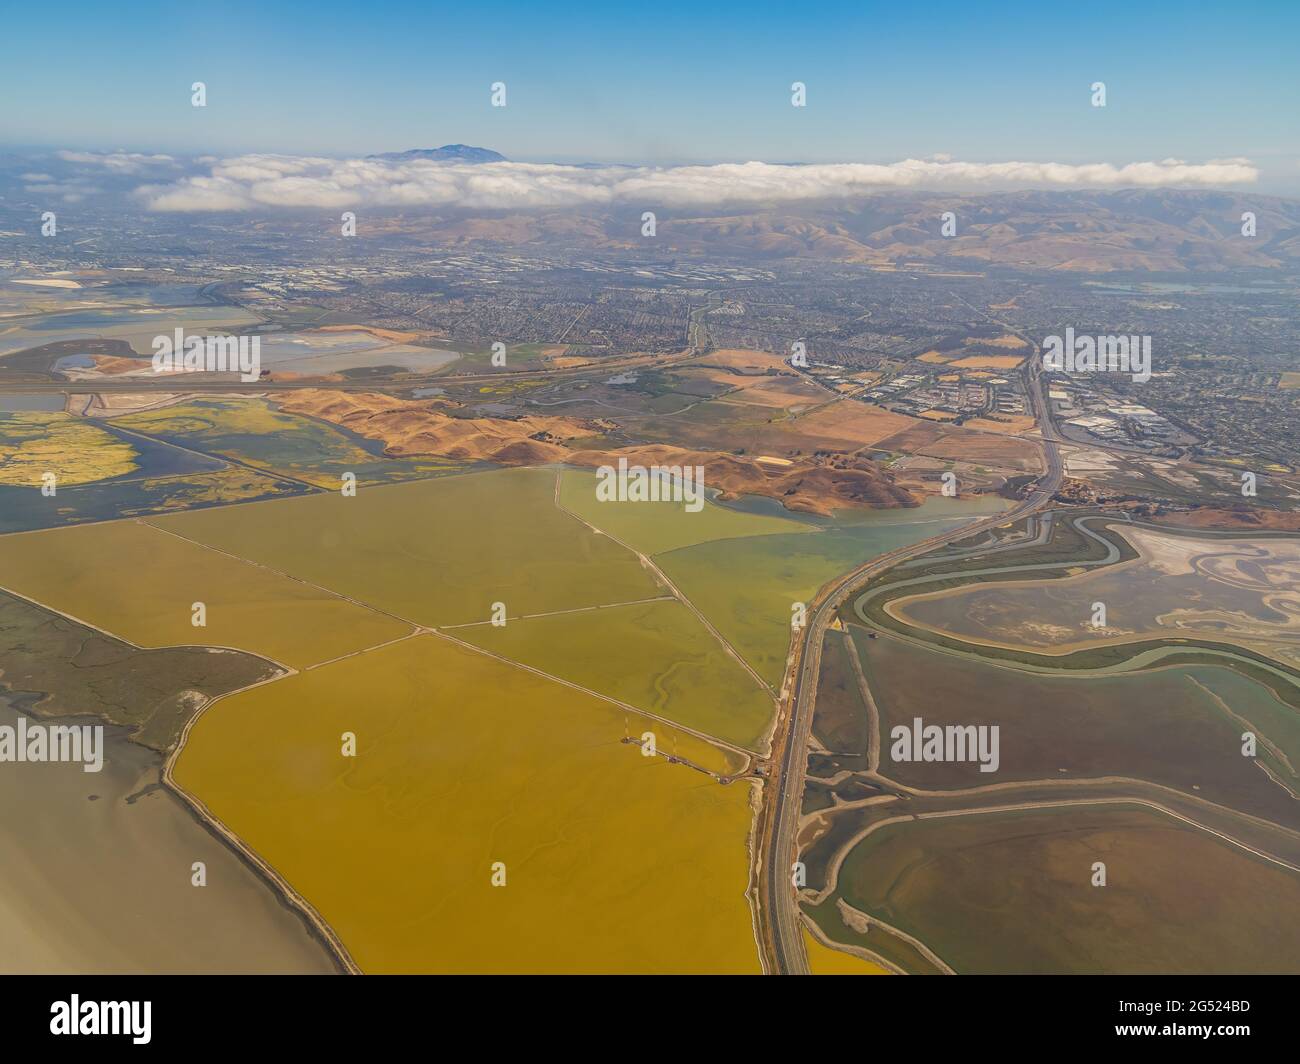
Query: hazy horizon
[680,86]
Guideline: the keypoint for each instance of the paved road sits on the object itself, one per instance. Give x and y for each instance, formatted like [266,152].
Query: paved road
[780,935]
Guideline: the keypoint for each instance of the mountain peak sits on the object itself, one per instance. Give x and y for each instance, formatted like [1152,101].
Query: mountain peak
[448,153]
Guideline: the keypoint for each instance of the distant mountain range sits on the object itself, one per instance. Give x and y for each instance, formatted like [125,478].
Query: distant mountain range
[448,153]
[1074,231]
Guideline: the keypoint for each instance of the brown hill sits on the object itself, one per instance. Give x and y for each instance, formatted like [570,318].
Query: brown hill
[423,427]
[417,427]
[813,485]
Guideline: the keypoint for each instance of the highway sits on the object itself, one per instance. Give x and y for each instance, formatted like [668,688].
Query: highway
[780,934]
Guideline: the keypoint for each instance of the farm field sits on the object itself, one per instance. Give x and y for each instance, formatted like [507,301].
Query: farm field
[628,860]
[146,595]
[437,720]
[656,656]
[747,587]
[383,603]
[653,528]
[438,552]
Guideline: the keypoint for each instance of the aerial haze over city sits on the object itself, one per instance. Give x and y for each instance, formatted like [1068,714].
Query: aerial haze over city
[651,492]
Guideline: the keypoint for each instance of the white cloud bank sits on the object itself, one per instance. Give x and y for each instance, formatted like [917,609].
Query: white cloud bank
[253,182]
[120,162]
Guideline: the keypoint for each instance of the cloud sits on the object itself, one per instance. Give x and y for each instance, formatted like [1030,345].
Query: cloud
[68,191]
[252,182]
[120,162]
[72,189]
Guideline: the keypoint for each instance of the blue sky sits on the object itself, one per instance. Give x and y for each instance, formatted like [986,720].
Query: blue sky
[668,82]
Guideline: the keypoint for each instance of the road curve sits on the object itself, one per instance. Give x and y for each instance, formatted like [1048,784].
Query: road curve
[780,937]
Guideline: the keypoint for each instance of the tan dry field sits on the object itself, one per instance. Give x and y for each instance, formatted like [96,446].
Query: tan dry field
[1010,340]
[779,393]
[846,426]
[714,375]
[49,282]
[397,336]
[963,444]
[1012,424]
[988,362]
[746,361]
